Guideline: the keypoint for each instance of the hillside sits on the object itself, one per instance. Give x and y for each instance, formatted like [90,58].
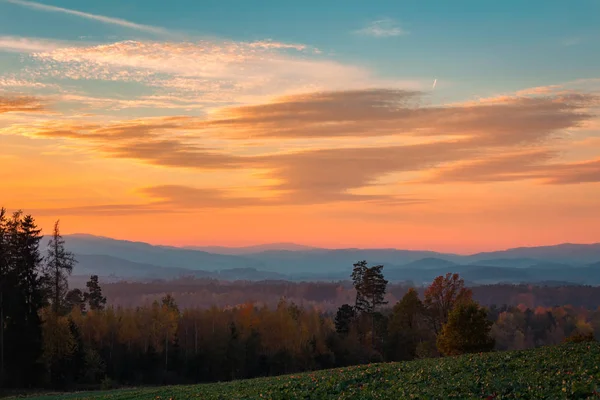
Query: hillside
[565,371]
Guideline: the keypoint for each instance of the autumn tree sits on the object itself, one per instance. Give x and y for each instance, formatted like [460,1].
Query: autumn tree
[441,297]
[94,294]
[168,321]
[59,347]
[59,264]
[467,331]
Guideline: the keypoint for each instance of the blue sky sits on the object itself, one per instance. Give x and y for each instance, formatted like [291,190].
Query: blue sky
[412,119]
[488,45]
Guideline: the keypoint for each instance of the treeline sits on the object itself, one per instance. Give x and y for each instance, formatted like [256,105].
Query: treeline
[70,339]
[33,295]
[327,296]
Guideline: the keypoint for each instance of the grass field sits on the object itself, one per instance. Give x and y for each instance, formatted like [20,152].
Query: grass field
[560,372]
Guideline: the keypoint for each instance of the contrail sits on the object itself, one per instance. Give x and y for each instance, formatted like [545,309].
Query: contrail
[100,18]
[434,83]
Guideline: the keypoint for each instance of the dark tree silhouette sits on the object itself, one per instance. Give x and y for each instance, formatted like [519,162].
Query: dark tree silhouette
[404,330]
[370,287]
[23,297]
[59,264]
[94,294]
[75,298]
[343,319]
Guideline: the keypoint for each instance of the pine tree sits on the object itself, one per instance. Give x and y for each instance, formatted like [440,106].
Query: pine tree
[370,288]
[94,294]
[59,264]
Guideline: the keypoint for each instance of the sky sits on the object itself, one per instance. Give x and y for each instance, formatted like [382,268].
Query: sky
[457,126]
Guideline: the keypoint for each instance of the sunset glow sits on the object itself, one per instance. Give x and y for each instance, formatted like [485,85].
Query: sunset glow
[369,128]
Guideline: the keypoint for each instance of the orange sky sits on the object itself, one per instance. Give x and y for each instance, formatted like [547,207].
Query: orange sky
[276,147]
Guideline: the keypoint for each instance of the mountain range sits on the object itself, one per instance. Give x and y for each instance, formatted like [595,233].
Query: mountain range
[119,259]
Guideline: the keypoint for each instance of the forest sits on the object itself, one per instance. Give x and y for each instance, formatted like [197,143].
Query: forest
[55,337]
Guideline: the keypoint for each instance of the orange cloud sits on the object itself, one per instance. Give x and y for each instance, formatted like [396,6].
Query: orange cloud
[380,112]
[521,166]
[470,143]
[20,104]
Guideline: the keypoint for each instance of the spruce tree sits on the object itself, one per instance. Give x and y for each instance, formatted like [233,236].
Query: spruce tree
[59,264]
[23,298]
[370,288]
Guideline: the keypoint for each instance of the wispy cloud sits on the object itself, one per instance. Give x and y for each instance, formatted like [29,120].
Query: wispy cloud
[29,45]
[20,104]
[211,71]
[382,28]
[95,17]
[531,165]
[502,141]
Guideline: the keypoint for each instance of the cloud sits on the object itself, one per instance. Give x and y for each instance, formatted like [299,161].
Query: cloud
[331,175]
[504,140]
[521,166]
[20,104]
[94,17]
[210,71]
[382,28]
[107,210]
[269,44]
[381,112]
[12,82]
[186,197]
[29,45]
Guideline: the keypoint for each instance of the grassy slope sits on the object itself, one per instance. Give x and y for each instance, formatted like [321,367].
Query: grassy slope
[565,371]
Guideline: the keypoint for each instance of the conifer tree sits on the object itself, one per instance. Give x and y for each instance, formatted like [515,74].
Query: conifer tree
[23,297]
[370,288]
[94,294]
[59,264]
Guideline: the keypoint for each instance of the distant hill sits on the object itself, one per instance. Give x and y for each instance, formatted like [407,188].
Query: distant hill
[162,256]
[104,265]
[251,249]
[562,253]
[506,262]
[430,263]
[569,263]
